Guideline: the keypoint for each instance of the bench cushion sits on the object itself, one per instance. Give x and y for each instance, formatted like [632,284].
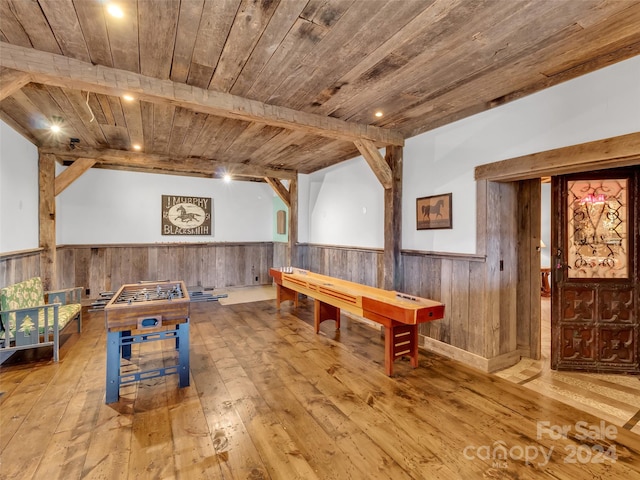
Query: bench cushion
[65,314]
[22,295]
[29,294]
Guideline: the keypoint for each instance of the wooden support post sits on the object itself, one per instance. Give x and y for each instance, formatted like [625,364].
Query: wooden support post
[293,223]
[47,219]
[393,221]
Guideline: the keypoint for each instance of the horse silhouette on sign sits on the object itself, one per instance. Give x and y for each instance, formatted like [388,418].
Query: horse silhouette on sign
[186,216]
[428,210]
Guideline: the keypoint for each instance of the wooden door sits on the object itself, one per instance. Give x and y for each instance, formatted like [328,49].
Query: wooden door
[594,314]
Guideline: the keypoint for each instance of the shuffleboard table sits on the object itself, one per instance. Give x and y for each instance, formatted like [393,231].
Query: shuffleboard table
[400,314]
[146,312]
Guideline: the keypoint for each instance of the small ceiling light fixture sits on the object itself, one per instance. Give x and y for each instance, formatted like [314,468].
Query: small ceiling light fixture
[127,97]
[56,124]
[115,11]
[227,177]
[379,114]
[137,147]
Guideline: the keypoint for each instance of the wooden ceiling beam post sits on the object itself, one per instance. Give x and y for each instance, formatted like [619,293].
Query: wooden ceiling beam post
[376,161]
[11,81]
[393,221]
[280,189]
[66,72]
[293,223]
[290,198]
[72,173]
[47,220]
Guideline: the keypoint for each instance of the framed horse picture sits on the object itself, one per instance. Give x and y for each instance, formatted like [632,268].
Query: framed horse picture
[434,212]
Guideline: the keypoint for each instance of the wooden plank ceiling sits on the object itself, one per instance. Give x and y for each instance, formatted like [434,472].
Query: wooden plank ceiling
[269,88]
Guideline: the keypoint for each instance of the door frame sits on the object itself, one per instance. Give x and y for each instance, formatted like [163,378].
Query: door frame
[609,153]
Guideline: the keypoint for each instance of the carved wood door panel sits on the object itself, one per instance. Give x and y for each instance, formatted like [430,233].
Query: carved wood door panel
[595,276]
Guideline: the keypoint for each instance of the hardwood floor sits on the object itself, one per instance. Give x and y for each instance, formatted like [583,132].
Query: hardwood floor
[614,398]
[269,399]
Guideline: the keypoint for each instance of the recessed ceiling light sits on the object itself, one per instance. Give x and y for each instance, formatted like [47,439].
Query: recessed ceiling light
[137,147]
[127,97]
[115,11]
[378,114]
[55,124]
[227,178]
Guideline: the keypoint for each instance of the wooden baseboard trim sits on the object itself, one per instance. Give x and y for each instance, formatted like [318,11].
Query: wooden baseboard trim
[504,361]
[487,365]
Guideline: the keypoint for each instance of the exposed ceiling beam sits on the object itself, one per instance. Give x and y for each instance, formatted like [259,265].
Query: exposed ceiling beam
[73,172]
[376,161]
[11,81]
[18,128]
[280,189]
[196,166]
[65,72]
[612,152]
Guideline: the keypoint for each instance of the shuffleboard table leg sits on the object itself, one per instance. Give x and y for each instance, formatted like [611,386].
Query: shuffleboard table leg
[400,340]
[323,311]
[389,357]
[283,294]
[414,346]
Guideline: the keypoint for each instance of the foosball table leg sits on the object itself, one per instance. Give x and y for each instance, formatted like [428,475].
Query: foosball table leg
[126,348]
[183,353]
[113,367]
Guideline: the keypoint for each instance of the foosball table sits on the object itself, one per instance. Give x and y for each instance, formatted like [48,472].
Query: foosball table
[146,312]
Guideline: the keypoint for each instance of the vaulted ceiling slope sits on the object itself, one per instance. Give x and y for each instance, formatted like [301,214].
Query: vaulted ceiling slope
[268,88]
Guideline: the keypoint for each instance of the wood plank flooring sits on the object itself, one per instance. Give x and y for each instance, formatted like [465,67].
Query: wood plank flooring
[614,398]
[269,399]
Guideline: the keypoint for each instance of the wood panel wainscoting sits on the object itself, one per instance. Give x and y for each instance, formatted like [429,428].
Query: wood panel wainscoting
[359,265]
[281,254]
[106,267]
[19,266]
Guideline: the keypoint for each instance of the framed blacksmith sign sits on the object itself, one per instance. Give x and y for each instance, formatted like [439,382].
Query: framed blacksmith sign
[186,215]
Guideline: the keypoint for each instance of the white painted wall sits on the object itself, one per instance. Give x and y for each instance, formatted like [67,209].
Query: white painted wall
[605,103]
[18,191]
[346,206]
[110,206]
[341,205]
